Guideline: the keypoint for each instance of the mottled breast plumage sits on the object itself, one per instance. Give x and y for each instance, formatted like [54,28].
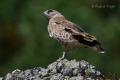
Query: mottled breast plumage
[57,29]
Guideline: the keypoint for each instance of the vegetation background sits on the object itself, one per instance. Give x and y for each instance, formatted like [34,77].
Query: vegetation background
[24,40]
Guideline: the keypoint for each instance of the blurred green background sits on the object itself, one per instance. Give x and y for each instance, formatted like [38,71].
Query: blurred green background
[24,40]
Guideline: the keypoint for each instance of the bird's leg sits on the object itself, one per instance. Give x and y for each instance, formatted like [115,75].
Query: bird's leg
[64,53]
[63,56]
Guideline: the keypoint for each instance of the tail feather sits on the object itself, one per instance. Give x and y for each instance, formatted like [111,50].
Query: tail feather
[98,49]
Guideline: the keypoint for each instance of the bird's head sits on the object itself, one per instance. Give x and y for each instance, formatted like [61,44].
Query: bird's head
[51,13]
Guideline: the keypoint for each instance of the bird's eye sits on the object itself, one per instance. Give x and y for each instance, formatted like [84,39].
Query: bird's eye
[49,11]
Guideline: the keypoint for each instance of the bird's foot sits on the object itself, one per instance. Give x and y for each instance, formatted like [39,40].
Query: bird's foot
[61,58]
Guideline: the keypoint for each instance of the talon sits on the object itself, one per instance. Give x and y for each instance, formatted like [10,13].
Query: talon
[60,59]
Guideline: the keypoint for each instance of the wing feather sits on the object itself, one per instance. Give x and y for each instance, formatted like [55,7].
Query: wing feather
[80,35]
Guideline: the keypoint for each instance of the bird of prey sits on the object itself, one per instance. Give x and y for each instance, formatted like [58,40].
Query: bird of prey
[69,34]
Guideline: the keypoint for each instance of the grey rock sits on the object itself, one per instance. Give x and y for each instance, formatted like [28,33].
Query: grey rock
[1,78]
[58,70]
[77,78]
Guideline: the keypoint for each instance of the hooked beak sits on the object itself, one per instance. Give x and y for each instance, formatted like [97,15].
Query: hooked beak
[46,13]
